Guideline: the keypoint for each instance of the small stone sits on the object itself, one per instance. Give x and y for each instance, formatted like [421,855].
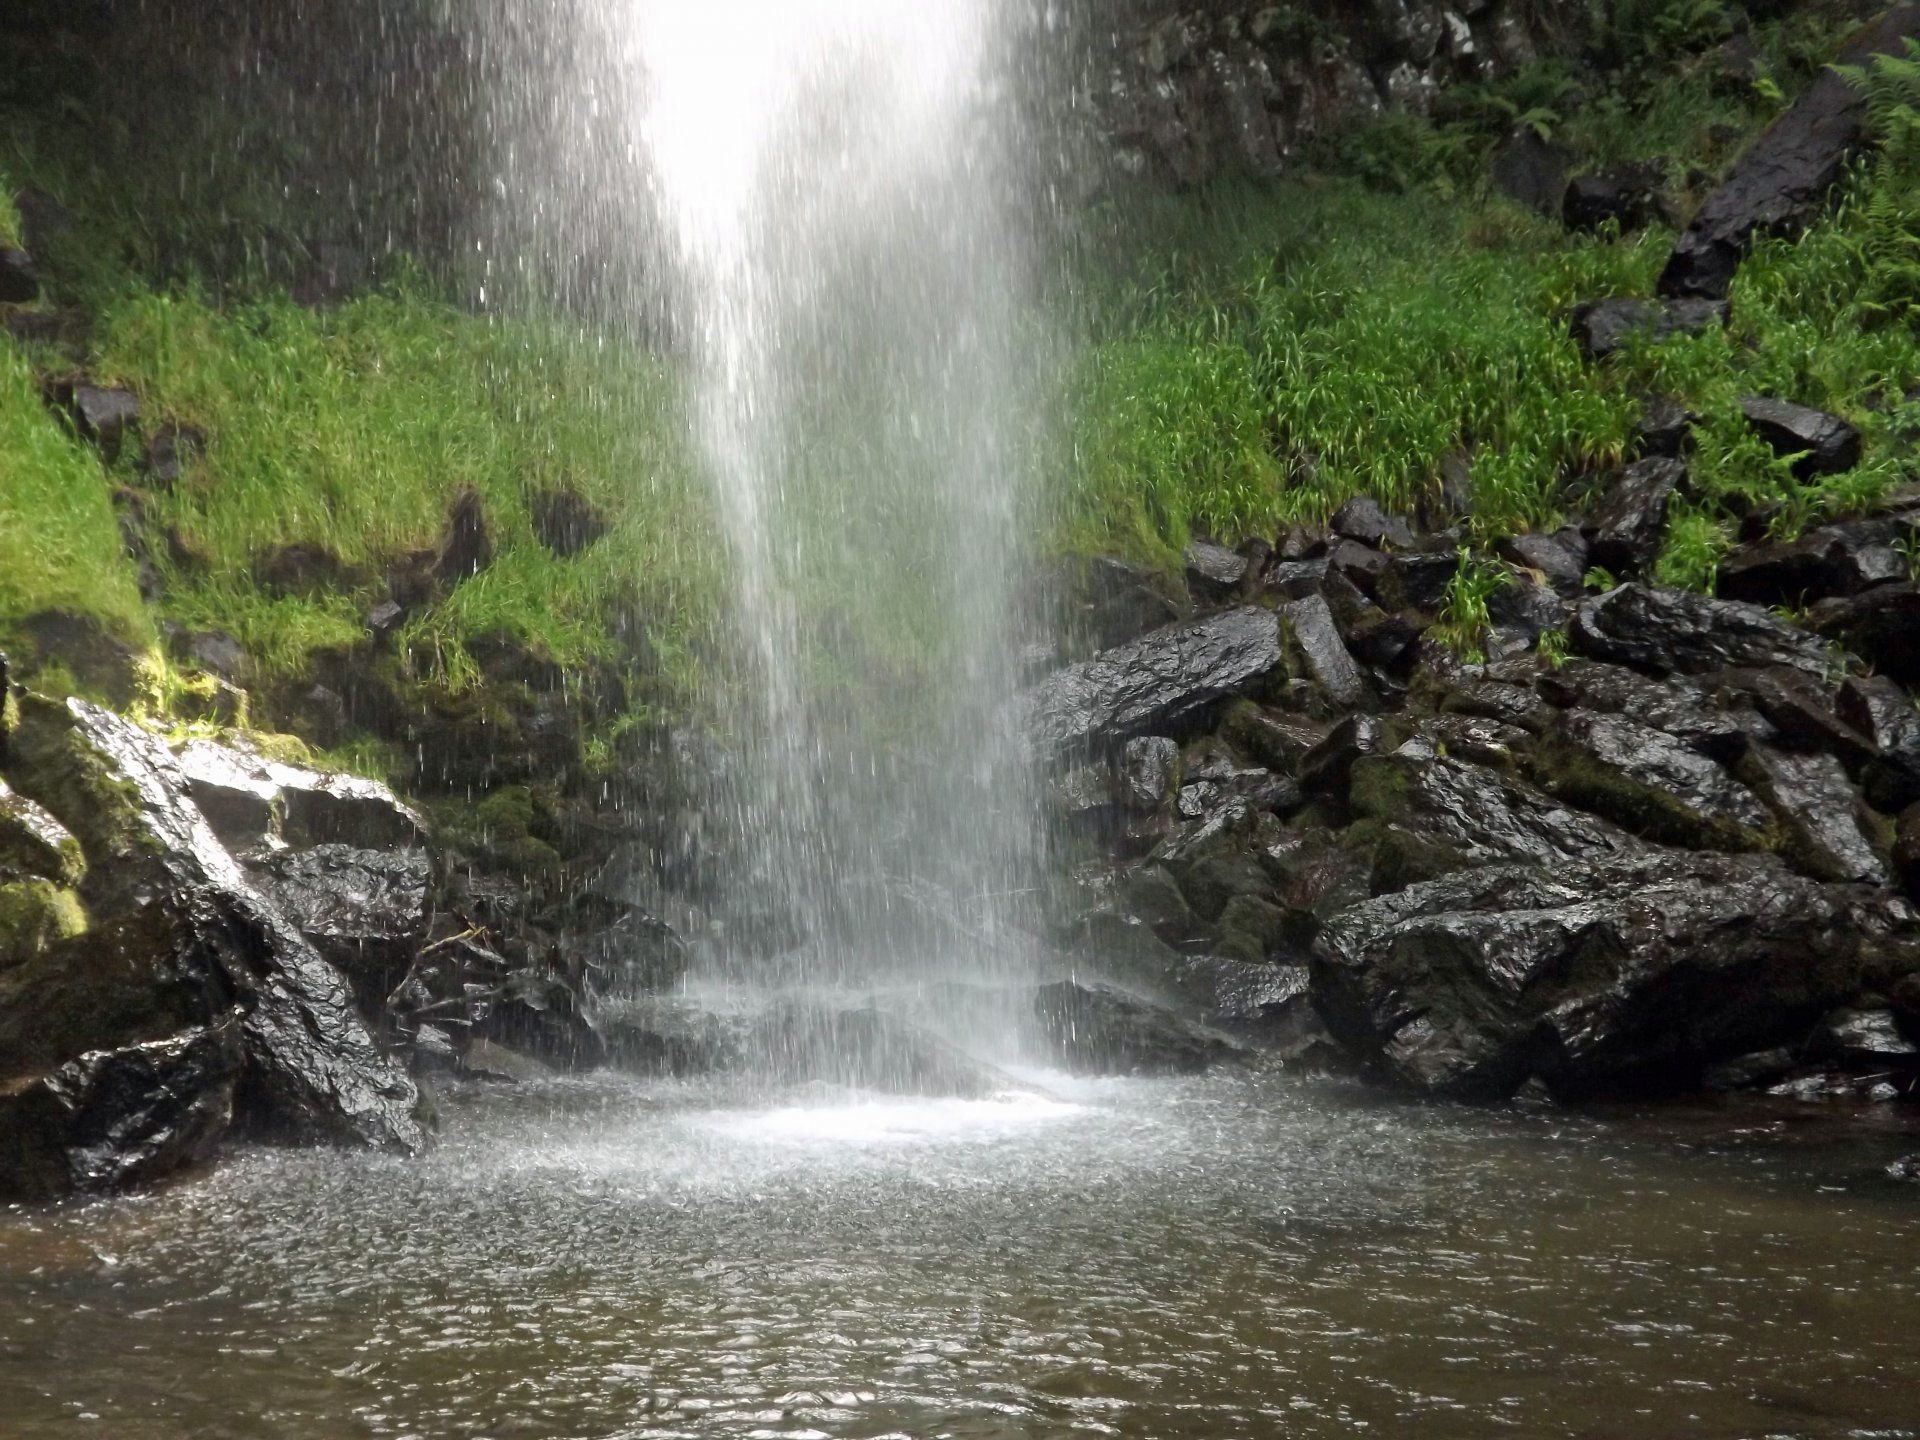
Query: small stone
[1826,444]
[1215,571]
[100,415]
[1604,327]
[1361,519]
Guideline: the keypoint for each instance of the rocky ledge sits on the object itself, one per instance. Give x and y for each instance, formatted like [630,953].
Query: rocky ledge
[1647,841]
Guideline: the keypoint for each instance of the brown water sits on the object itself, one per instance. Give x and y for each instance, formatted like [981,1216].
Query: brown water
[1236,1256]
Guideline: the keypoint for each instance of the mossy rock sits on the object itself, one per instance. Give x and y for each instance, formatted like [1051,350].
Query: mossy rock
[1379,788]
[36,915]
[1253,929]
[49,761]
[33,843]
[1577,779]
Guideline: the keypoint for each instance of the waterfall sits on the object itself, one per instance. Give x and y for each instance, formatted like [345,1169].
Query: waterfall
[839,193]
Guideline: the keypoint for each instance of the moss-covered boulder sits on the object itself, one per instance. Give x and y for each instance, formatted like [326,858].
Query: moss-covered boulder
[32,842]
[36,915]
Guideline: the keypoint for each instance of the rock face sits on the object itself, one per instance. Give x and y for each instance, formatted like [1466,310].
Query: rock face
[1599,975]
[1158,684]
[1672,631]
[178,947]
[1786,179]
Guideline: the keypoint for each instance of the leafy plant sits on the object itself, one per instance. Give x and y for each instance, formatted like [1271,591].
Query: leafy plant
[1465,618]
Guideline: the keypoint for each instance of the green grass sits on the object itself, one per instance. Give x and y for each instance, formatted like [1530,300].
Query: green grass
[355,429]
[9,214]
[59,539]
[1258,356]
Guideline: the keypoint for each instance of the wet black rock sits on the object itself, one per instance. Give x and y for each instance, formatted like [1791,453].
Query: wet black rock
[1881,626]
[1328,766]
[566,522]
[365,911]
[1628,528]
[1100,1030]
[1162,683]
[1323,655]
[1417,580]
[109,1120]
[1550,557]
[1826,834]
[1825,444]
[19,280]
[1604,327]
[1149,766]
[251,801]
[1621,974]
[1801,710]
[179,939]
[1835,560]
[1787,179]
[33,843]
[541,1016]
[1907,1169]
[1666,428]
[1674,631]
[100,415]
[667,1036]
[1881,711]
[1906,851]
[1215,572]
[1362,520]
[1864,1037]
[1482,815]
[1652,784]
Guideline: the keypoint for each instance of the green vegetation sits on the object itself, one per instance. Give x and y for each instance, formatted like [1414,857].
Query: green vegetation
[1259,355]
[1465,619]
[9,214]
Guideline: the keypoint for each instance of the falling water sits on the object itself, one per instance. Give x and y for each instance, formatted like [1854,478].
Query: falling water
[835,188]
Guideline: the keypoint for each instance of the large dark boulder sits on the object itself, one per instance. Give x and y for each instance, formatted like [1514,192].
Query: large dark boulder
[111,1119]
[1161,683]
[1623,200]
[365,911]
[1322,653]
[1650,783]
[1674,631]
[1621,974]
[1786,180]
[179,939]
[1835,560]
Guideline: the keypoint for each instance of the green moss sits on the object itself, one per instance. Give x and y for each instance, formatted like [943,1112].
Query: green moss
[1379,788]
[9,215]
[36,915]
[1581,781]
[47,761]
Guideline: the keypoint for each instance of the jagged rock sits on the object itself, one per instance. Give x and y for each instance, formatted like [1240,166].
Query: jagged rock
[1666,428]
[1149,766]
[1626,200]
[1670,704]
[663,1036]
[1328,766]
[1826,444]
[1864,1037]
[638,954]
[1801,710]
[1417,580]
[1814,799]
[1099,1030]
[365,911]
[1669,631]
[179,939]
[32,842]
[1164,682]
[566,522]
[1651,784]
[386,617]
[1907,1169]
[1628,528]
[1836,560]
[1524,610]
[1084,791]
[1295,579]
[100,415]
[252,801]
[108,1120]
[1310,626]
[1604,327]
[1482,815]
[1882,712]
[1278,741]
[1787,178]
[19,280]
[1881,626]
[1215,571]
[1363,521]
[1628,973]
[540,1016]
[1550,557]
[1153,897]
